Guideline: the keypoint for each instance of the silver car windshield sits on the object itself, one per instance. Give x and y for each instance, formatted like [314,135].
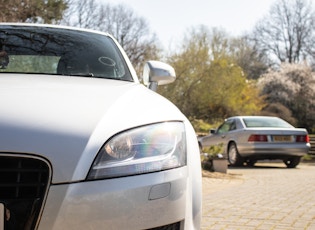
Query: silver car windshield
[49,50]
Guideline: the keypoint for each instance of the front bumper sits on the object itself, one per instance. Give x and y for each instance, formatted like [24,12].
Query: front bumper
[134,202]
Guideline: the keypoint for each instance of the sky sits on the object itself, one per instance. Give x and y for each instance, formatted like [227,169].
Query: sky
[171,19]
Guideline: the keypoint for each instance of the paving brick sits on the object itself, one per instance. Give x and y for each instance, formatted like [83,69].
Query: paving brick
[267,196]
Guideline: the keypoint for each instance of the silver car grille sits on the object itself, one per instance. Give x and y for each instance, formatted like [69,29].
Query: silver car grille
[24,182]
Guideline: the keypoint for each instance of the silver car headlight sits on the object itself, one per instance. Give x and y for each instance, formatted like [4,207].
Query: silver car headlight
[145,149]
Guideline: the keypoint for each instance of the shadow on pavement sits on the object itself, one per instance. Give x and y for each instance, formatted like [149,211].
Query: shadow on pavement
[262,166]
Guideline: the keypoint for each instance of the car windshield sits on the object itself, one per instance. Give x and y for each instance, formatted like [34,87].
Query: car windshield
[49,50]
[268,122]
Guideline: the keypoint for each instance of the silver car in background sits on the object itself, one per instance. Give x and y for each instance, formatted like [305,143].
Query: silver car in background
[84,145]
[247,139]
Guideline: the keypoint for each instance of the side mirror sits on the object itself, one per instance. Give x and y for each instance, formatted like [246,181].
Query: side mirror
[212,131]
[157,73]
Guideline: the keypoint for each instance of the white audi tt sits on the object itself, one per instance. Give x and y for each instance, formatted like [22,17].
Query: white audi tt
[85,145]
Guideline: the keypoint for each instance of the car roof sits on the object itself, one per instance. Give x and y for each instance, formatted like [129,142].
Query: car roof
[241,117]
[13,24]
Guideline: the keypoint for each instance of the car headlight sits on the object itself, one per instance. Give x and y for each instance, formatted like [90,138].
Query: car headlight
[145,149]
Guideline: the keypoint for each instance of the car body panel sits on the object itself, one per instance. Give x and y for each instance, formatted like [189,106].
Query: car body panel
[96,202]
[290,148]
[61,122]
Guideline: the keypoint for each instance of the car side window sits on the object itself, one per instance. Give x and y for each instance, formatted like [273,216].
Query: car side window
[223,128]
[227,126]
[232,126]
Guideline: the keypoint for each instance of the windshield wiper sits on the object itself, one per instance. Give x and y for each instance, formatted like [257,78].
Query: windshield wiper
[80,75]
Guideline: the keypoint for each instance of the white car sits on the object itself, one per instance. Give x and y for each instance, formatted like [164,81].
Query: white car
[84,145]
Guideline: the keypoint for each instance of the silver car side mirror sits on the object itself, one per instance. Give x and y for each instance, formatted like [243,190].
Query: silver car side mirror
[157,73]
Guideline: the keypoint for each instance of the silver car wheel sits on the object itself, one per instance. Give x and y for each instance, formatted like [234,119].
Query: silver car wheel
[234,157]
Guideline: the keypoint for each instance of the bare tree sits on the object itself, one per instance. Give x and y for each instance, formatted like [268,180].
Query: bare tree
[288,31]
[246,55]
[131,31]
[49,11]
[82,13]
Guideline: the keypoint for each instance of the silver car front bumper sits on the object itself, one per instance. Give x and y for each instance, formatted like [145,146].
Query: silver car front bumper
[135,202]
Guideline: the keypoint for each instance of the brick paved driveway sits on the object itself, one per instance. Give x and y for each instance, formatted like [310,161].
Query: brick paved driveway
[268,196]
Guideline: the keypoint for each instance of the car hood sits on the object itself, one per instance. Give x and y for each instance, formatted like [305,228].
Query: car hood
[67,119]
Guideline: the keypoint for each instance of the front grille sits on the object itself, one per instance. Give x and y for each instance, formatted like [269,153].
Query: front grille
[175,226]
[23,184]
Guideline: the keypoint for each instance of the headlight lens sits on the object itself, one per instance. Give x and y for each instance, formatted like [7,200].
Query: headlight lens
[141,150]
